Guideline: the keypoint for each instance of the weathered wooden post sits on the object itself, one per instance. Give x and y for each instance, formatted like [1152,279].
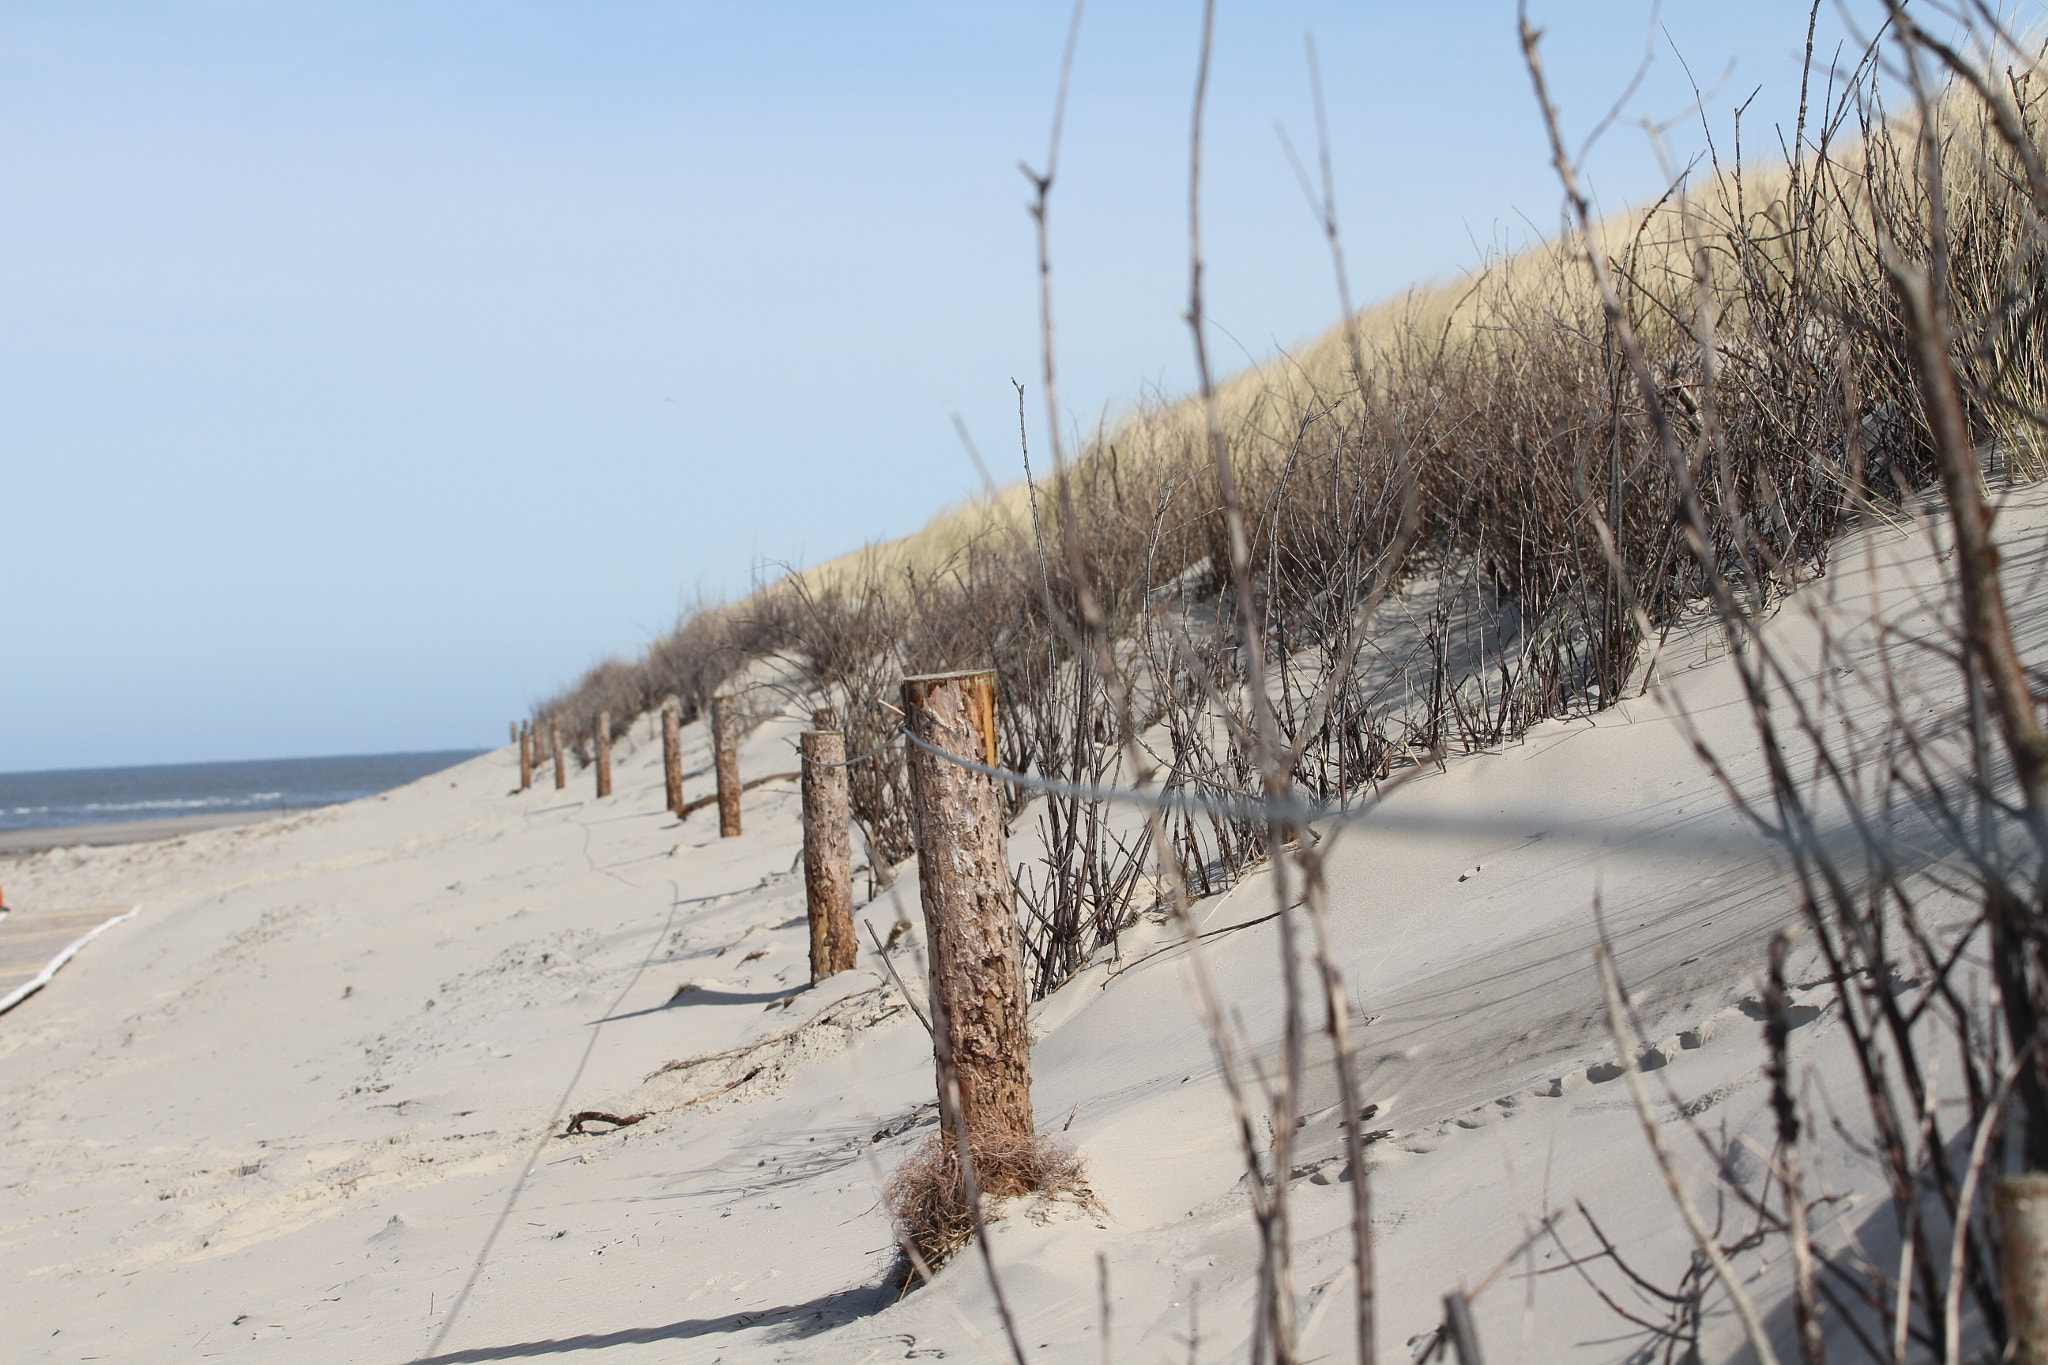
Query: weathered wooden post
[2022,1204]
[672,756]
[555,742]
[724,740]
[970,917]
[525,755]
[515,732]
[828,864]
[604,753]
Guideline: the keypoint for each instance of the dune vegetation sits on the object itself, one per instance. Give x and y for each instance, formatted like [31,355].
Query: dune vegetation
[1474,458]
[1484,505]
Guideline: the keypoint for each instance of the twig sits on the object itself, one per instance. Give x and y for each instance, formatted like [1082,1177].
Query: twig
[1459,1328]
[1205,934]
[685,1063]
[1777,1031]
[729,1085]
[1702,1236]
[1987,1124]
[890,967]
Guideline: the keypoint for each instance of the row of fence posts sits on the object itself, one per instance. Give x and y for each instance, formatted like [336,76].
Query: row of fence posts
[976,977]
[528,740]
[725,731]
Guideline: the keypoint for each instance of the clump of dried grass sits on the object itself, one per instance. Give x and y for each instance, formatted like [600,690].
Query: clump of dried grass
[927,1195]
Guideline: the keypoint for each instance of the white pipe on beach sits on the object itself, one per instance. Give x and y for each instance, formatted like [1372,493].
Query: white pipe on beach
[42,978]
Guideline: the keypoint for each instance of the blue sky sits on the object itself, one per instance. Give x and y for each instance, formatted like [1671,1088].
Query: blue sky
[369,369]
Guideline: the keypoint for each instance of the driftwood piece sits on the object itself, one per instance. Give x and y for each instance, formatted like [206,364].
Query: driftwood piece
[617,1121]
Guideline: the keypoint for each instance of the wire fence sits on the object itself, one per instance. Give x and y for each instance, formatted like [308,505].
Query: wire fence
[847,762]
[1645,837]
[1548,823]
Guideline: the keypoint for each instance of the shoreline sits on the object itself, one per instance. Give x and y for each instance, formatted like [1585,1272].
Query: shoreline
[15,843]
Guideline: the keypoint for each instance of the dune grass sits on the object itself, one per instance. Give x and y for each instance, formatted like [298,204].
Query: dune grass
[1476,453]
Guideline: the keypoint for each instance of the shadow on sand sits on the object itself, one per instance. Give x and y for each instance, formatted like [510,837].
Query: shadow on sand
[708,996]
[788,1323]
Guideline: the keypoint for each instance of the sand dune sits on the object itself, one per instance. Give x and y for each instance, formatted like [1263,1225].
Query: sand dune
[310,1103]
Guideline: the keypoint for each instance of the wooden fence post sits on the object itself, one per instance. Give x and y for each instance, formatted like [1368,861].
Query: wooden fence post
[525,755]
[970,917]
[604,753]
[672,756]
[2022,1203]
[724,739]
[555,742]
[828,863]
[515,732]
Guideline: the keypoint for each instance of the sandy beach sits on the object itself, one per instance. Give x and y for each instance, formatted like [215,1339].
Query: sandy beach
[310,1103]
[14,842]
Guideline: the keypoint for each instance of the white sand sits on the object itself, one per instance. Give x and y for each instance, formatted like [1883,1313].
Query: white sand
[308,1105]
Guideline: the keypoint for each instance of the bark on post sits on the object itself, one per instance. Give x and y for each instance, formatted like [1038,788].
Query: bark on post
[724,740]
[604,753]
[672,756]
[2023,1232]
[525,755]
[970,916]
[555,742]
[828,863]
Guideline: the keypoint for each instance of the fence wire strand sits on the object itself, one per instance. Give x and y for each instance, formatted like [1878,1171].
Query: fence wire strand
[845,762]
[1282,810]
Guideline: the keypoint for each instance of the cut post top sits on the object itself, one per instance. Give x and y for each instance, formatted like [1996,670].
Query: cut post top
[977,689]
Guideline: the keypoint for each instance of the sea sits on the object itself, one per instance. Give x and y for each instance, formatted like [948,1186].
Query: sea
[91,796]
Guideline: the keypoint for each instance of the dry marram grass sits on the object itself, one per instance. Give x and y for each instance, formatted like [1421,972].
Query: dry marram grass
[926,1196]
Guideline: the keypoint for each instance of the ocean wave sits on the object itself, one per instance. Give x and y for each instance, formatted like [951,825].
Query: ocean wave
[190,804]
[100,795]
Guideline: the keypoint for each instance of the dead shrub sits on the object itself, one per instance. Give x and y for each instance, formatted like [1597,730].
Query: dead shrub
[710,643]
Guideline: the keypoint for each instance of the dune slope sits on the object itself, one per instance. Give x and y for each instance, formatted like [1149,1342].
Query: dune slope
[310,1103]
